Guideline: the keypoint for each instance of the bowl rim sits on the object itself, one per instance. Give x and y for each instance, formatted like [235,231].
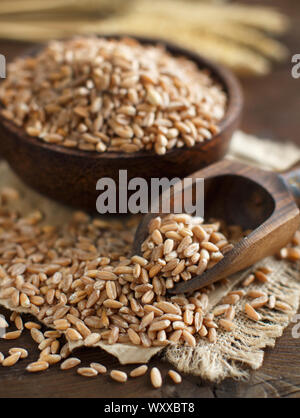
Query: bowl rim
[224,76]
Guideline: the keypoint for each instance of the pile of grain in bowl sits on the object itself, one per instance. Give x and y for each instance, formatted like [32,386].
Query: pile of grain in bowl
[102,95]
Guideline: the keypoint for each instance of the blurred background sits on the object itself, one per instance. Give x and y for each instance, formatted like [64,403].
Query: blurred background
[256,39]
[235,34]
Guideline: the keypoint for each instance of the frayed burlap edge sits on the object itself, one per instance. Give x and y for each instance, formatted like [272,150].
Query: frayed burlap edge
[235,353]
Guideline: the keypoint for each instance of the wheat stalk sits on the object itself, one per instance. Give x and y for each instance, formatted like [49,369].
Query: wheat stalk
[20,7]
[236,35]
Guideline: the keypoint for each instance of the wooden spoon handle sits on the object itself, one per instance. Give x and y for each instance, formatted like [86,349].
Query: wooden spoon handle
[292,181]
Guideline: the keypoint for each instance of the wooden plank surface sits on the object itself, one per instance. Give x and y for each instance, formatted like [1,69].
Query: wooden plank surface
[272,106]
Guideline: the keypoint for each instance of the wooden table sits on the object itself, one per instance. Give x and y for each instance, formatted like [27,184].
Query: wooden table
[272,106]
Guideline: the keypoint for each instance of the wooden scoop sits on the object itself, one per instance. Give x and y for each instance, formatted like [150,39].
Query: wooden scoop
[255,199]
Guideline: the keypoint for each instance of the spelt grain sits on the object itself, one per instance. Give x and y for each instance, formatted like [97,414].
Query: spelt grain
[175,376]
[13,335]
[139,371]
[70,363]
[251,313]
[11,360]
[118,376]
[156,378]
[87,371]
[37,366]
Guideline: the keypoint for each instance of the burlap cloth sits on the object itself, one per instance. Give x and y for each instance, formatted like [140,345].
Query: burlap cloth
[235,353]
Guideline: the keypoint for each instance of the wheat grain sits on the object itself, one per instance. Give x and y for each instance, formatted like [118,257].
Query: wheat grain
[70,363]
[118,376]
[37,366]
[13,335]
[175,376]
[155,377]
[139,371]
[11,360]
[227,324]
[87,371]
[29,325]
[37,335]
[259,302]
[251,313]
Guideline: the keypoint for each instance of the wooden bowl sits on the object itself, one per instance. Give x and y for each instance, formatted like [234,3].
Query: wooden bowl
[70,175]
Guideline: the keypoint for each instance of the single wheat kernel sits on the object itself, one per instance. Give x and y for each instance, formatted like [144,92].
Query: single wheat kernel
[175,336]
[65,351]
[11,360]
[45,343]
[282,306]
[19,322]
[159,325]
[54,348]
[212,335]
[230,313]
[37,366]
[189,338]
[175,376]
[70,363]
[251,313]
[29,325]
[167,307]
[155,377]
[259,302]
[13,335]
[73,335]
[118,376]
[253,294]
[227,325]
[52,358]
[87,371]
[139,371]
[83,329]
[52,334]
[248,280]
[220,309]
[134,336]
[203,331]
[92,339]
[231,299]
[262,277]
[37,335]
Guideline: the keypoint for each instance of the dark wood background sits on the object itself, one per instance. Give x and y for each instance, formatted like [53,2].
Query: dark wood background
[272,106]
